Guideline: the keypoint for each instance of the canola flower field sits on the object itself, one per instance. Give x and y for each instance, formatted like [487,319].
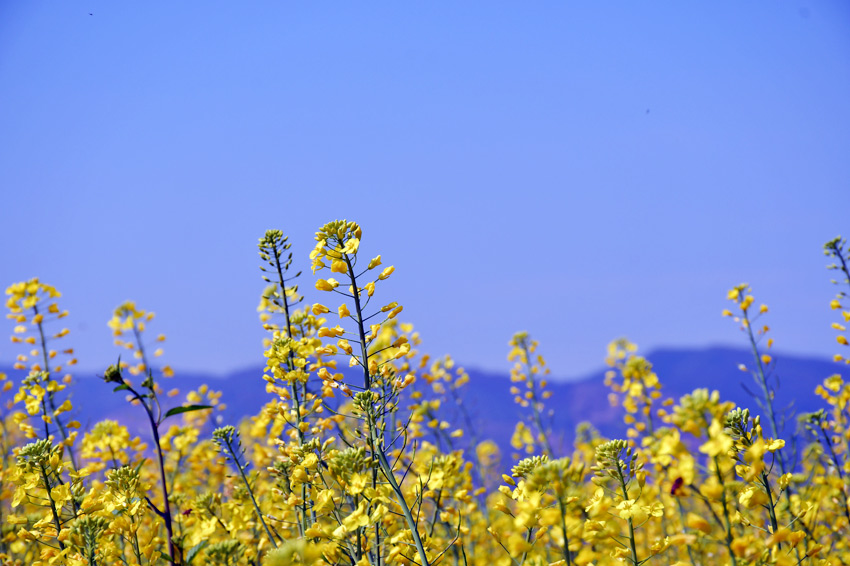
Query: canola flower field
[372,471]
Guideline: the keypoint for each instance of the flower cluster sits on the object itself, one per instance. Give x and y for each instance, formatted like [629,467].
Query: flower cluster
[365,451]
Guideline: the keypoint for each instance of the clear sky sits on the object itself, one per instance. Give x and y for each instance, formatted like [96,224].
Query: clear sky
[580,170]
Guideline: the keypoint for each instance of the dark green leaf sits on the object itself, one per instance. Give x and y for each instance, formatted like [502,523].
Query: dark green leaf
[186,409]
[195,550]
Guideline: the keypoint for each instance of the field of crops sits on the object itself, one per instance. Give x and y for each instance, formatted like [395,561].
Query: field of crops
[372,470]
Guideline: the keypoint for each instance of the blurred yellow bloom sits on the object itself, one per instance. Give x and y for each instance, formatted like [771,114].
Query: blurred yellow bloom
[327,284]
[699,523]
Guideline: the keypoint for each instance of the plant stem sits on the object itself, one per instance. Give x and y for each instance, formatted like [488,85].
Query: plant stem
[302,524]
[838,466]
[250,492]
[376,443]
[725,511]
[535,403]
[567,553]
[622,479]
[56,522]
[166,510]
[762,381]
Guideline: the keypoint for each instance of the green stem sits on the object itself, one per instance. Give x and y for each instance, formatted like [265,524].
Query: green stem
[165,514]
[765,481]
[302,523]
[56,522]
[135,541]
[250,491]
[535,403]
[166,510]
[762,381]
[838,466]
[844,267]
[364,353]
[682,519]
[725,511]
[377,446]
[50,396]
[567,554]
[632,543]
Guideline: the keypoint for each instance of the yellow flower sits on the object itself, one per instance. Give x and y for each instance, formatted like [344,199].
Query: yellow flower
[334,332]
[783,534]
[699,523]
[594,503]
[752,497]
[718,443]
[324,501]
[327,284]
[351,246]
[655,509]
[629,509]
[61,493]
[660,545]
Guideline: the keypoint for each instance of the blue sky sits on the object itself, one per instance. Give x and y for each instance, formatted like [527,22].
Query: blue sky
[578,170]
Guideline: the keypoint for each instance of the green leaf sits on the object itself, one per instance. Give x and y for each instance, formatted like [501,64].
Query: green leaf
[122,387]
[186,409]
[195,550]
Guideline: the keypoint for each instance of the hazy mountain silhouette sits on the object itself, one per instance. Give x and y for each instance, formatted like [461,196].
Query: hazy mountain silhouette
[489,402]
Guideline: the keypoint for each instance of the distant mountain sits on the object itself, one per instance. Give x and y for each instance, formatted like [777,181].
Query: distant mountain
[680,372]
[490,403]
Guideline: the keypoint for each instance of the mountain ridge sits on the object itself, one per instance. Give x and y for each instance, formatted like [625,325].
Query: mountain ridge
[488,399]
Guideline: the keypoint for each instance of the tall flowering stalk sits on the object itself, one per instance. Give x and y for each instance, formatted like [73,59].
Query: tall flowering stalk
[838,250]
[638,385]
[530,371]
[285,367]
[337,247]
[34,303]
[617,463]
[763,362]
[228,441]
[367,467]
[129,319]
